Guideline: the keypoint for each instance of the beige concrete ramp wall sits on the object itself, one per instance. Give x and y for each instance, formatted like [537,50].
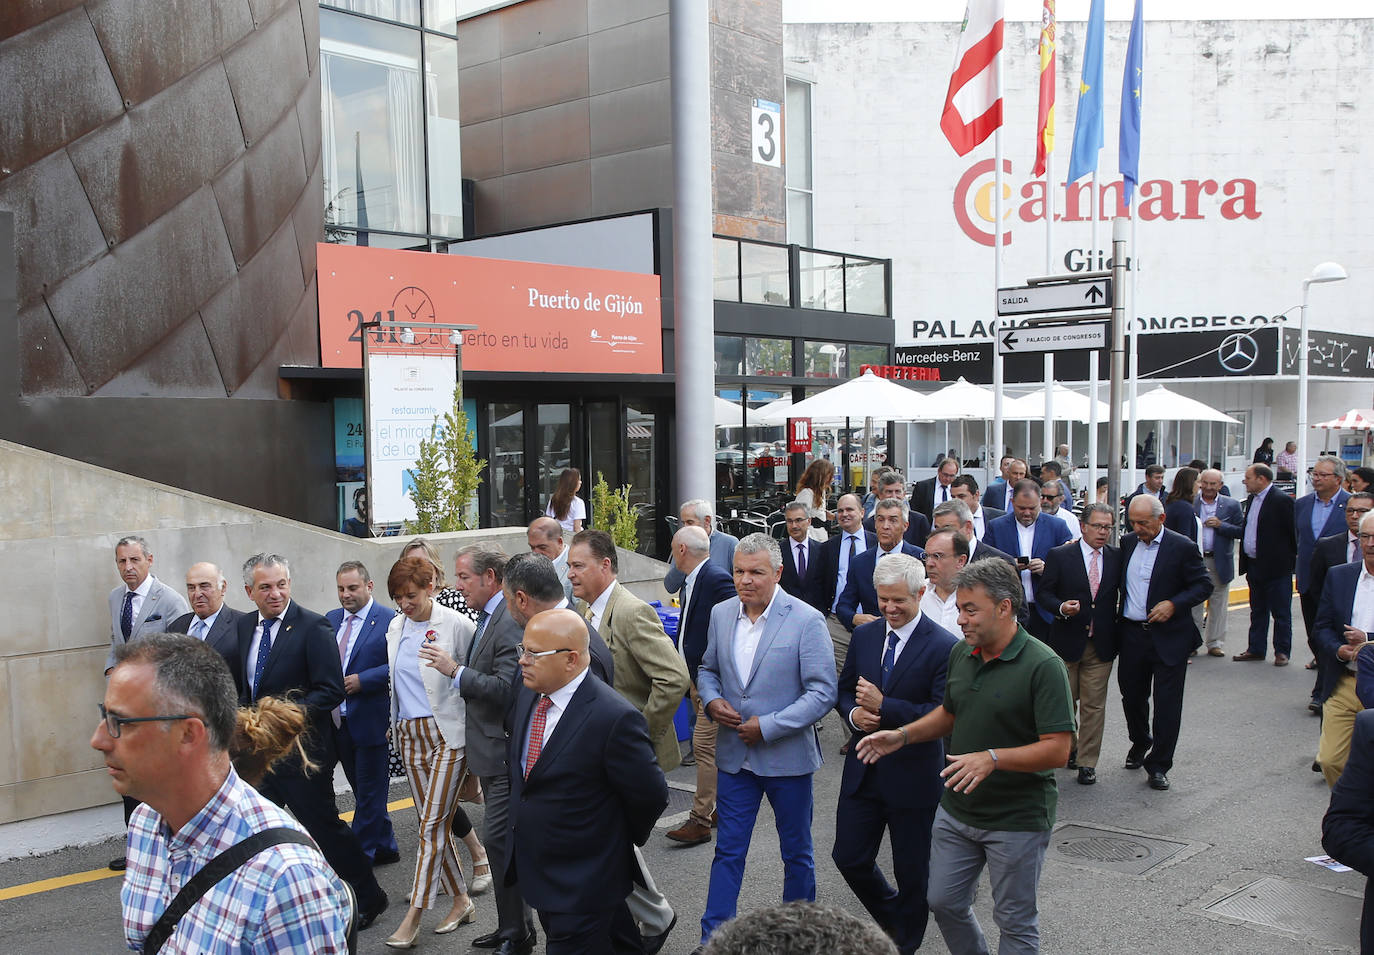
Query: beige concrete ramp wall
[59,521]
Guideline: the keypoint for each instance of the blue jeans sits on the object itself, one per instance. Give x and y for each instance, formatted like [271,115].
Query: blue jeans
[738,796]
[1271,598]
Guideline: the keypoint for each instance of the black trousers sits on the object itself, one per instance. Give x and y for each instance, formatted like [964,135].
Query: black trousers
[608,931]
[1141,674]
[311,800]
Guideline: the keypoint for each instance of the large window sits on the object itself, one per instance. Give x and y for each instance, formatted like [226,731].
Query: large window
[390,126]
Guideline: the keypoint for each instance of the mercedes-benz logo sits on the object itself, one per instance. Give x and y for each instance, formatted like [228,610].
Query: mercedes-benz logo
[1238,353]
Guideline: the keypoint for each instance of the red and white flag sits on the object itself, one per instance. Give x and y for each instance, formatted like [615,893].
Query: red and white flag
[973,105]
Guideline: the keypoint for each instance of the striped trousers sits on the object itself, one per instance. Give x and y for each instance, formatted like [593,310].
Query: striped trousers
[433,769]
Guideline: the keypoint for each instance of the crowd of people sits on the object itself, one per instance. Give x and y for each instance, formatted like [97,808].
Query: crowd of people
[965,636]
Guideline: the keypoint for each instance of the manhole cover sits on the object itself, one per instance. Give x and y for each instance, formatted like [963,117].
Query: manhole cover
[1113,851]
[1297,907]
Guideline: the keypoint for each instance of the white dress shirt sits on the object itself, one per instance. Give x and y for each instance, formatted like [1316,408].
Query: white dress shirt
[843,563]
[558,702]
[357,619]
[944,613]
[1251,541]
[687,586]
[252,661]
[1025,537]
[747,637]
[136,605]
[979,528]
[598,606]
[1206,511]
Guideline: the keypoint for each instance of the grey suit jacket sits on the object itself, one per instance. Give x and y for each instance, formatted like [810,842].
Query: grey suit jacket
[223,636]
[159,609]
[722,554]
[487,683]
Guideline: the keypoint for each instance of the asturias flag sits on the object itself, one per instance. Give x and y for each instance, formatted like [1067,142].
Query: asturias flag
[1087,124]
[1128,152]
[973,104]
[1044,126]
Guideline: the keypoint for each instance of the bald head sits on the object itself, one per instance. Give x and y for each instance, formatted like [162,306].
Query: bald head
[545,536]
[555,650]
[205,589]
[691,546]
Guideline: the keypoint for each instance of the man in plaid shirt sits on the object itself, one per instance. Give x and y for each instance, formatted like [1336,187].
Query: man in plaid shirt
[165,727]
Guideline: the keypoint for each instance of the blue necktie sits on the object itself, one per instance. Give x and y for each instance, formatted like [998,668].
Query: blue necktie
[264,648]
[889,657]
[126,616]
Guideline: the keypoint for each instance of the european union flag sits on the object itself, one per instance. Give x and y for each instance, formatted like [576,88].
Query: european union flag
[1128,153]
[1087,122]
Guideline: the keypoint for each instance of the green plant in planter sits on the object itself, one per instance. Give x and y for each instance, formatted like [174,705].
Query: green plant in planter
[446,473]
[613,513]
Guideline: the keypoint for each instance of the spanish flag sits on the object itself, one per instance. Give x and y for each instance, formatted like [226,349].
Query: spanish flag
[1044,127]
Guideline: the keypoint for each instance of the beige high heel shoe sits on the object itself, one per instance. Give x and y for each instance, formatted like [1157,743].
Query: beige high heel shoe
[469,915]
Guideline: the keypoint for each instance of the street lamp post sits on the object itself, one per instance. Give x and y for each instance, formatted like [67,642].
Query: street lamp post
[1326,272]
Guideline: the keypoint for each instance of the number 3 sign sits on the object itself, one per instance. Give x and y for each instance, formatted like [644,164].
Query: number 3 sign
[767,123]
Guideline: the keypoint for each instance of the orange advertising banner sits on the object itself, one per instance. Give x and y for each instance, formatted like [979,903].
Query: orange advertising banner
[529,316]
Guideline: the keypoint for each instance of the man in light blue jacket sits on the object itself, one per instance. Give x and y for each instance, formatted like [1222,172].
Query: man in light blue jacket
[767,677]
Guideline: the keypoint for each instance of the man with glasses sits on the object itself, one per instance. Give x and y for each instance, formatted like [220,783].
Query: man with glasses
[928,494]
[954,516]
[858,604]
[586,789]
[1223,523]
[1318,514]
[1079,587]
[166,722]
[1052,502]
[946,555]
[1332,551]
[1345,620]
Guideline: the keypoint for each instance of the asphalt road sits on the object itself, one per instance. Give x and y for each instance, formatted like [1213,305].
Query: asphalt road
[1244,807]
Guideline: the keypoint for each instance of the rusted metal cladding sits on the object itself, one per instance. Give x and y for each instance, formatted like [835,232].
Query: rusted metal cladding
[162,160]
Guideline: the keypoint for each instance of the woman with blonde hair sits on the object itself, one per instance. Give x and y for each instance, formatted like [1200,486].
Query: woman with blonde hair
[428,723]
[812,490]
[565,506]
[264,733]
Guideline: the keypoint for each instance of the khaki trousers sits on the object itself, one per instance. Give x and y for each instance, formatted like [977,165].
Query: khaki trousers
[1089,679]
[704,750]
[839,636]
[1338,725]
[1218,604]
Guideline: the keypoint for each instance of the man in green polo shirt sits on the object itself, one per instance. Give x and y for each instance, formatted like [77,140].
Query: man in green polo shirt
[1008,713]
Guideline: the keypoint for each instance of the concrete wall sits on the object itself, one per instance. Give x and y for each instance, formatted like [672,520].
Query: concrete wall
[57,534]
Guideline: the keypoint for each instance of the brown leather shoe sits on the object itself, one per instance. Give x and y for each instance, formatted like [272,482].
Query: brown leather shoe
[1280,659]
[692,833]
[1216,652]
[1248,657]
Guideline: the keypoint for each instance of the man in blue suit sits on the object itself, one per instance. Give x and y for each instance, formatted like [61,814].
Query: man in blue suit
[1332,551]
[1348,827]
[803,569]
[704,586]
[767,677]
[1028,536]
[1223,523]
[699,513]
[858,604]
[893,486]
[999,493]
[1162,579]
[895,674]
[1342,628]
[836,554]
[360,721]
[1318,514]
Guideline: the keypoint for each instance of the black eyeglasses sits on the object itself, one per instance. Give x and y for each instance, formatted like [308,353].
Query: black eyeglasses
[521,652]
[114,724]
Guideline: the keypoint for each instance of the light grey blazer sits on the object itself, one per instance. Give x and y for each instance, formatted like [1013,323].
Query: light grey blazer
[453,633]
[790,686]
[159,609]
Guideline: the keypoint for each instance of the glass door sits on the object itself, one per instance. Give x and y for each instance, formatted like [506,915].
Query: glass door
[553,450]
[506,425]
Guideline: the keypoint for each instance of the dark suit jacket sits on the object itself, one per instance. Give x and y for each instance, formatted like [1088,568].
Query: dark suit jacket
[1232,529]
[830,553]
[1307,541]
[1050,532]
[1329,552]
[1066,578]
[369,710]
[1348,826]
[995,495]
[223,636]
[811,588]
[304,658]
[990,514]
[487,683]
[917,529]
[713,585]
[916,686]
[1334,611]
[595,792]
[1179,516]
[1277,551]
[985,551]
[923,498]
[860,596]
[1178,576]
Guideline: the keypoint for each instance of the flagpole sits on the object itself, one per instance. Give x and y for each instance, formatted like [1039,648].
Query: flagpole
[1049,270]
[997,382]
[1132,432]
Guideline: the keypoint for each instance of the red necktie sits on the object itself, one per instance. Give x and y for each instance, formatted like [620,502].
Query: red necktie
[536,743]
[1094,581]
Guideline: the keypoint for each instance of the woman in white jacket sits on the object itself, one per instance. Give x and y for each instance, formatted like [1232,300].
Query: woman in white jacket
[427,729]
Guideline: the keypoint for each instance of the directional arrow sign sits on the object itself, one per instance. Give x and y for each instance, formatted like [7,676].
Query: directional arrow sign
[1092,296]
[1067,337]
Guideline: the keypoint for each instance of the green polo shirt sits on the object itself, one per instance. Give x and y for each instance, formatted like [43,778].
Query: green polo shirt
[1008,701]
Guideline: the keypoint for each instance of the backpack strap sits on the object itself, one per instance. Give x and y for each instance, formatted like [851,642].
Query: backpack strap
[212,874]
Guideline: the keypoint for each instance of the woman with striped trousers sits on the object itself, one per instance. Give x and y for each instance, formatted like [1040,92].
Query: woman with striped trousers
[427,720]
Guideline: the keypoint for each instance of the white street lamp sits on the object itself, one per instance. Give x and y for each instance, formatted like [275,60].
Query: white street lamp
[1326,272]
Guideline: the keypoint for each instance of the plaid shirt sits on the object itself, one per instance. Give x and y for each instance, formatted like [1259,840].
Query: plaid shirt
[284,899]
